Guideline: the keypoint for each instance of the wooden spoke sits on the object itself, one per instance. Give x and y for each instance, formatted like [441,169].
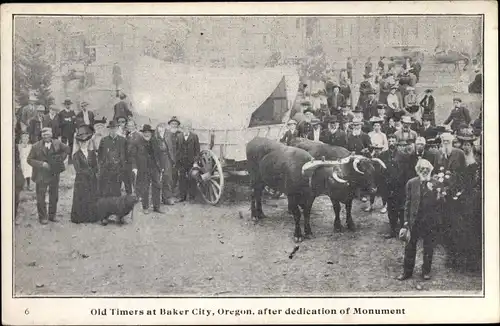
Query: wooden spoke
[213,187]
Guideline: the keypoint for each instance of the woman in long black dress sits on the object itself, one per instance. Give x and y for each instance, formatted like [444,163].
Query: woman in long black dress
[85,188]
[466,227]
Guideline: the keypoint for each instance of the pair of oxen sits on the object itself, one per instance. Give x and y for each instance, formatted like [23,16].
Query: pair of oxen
[306,170]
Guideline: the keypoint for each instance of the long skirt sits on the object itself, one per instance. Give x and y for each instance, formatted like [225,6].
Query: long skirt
[84,199]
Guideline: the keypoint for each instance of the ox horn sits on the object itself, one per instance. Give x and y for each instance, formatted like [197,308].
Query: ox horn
[337,178]
[355,165]
[376,159]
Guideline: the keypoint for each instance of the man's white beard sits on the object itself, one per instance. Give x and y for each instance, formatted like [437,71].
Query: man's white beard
[424,177]
[447,149]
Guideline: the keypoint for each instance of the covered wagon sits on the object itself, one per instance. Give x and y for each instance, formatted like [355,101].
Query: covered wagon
[227,108]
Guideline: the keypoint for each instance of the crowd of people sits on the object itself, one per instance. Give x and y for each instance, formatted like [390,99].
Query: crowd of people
[389,122]
[392,123]
[150,162]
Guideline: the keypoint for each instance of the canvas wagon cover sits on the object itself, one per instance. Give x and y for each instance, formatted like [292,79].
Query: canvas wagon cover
[211,98]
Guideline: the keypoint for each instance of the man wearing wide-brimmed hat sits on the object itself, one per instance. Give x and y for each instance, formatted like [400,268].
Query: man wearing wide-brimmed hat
[335,100]
[112,155]
[47,158]
[459,114]
[85,116]
[406,133]
[333,133]
[304,126]
[67,123]
[148,165]
[315,132]
[428,104]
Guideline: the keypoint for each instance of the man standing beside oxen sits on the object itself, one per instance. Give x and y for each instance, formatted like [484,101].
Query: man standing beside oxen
[47,158]
[333,134]
[112,153]
[358,142]
[421,205]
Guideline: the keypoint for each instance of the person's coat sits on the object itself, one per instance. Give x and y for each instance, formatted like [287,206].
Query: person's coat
[85,189]
[139,156]
[413,198]
[338,138]
[35,129]
[52,123]
[54,156]
[187,150]
[335,102]
[458,116]
[79,120]
[121,109]
[454,162]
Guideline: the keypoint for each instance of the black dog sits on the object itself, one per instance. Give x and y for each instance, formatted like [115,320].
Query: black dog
[119,206]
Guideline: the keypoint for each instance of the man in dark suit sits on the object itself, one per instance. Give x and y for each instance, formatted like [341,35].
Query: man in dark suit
[111,154]
[428,104]
[358,141]
[134,138]
[85,116]
[427,130]
[168,142]
[147,164]
[67,124]
[315,132]
[291,133]
[458,115]
[188,151]
[51,120]
[423,153]
[304,126]
[420,218]
[369,106]
[122,109]
[47,159]
[333,134]
[35,125]
[336,100]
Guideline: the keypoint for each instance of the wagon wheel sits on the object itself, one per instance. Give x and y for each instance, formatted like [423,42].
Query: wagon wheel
[211,185]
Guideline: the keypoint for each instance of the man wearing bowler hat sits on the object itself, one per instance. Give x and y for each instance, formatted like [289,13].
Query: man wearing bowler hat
[406,132]
[111,154]
[369,107]
[366,127]
[47,158]
[335,100]
[147,164]
[67,123]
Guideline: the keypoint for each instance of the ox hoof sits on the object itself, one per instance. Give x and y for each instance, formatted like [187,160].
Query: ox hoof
[308,236]
[337,228]
[351,227]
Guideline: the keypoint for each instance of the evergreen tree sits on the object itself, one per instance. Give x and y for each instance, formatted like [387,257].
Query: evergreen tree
[32,72]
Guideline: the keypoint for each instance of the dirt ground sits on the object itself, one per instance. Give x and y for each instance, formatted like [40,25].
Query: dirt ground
[197,249]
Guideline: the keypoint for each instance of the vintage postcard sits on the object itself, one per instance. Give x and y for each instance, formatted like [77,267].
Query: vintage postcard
[250,163]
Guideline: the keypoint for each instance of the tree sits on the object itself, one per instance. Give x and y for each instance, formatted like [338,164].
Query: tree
[32,72]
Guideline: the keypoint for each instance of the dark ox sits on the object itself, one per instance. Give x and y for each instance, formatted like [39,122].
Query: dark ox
[280,167]
[356,172]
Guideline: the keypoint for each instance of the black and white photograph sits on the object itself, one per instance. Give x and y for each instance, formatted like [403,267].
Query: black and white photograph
[247,156]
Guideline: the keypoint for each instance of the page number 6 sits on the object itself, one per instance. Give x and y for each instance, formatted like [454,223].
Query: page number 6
[27,312]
